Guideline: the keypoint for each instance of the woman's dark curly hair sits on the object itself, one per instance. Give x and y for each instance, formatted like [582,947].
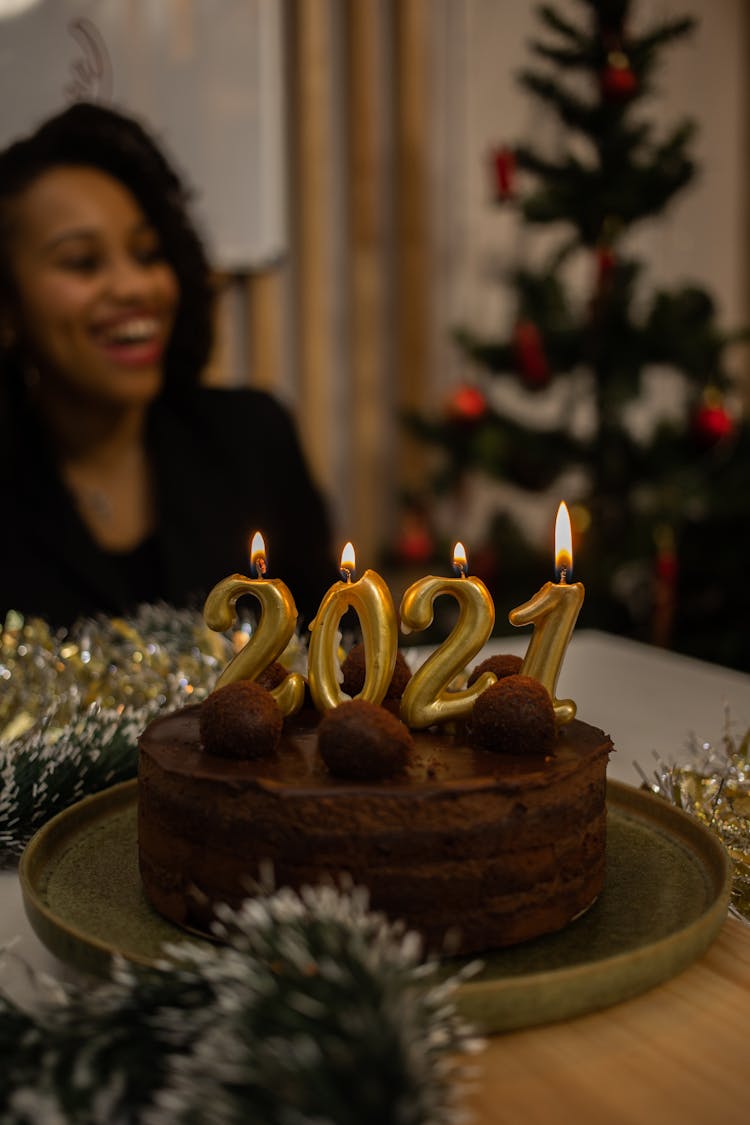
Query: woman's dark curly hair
[98,137]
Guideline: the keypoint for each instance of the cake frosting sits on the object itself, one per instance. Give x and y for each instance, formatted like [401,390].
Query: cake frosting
[473,848]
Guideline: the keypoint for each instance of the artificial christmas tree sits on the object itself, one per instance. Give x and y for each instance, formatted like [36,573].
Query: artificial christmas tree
[660,508]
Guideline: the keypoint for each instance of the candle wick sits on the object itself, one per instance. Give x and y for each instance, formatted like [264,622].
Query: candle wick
[259,566]
[563,575]
[346,574]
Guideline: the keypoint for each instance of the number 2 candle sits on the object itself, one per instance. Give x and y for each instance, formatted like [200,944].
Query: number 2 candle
[427,698]
[278,620]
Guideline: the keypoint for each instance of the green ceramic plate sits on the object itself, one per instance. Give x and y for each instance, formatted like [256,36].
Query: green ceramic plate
[666,897]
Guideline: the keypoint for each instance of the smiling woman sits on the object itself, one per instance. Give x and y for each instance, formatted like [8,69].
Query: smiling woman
[96,297]
[96,303]
[123,481]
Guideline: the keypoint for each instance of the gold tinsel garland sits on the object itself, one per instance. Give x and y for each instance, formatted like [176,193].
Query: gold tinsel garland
[73,703]
[114,662]
[713,785]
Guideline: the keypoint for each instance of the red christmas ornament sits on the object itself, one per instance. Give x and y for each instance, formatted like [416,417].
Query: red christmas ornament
[414,543]
[606,261]
[466,404]
[667,567]
[666,572]
[711,423]
[484,564]
[617,80]
[528,348]
[503,166]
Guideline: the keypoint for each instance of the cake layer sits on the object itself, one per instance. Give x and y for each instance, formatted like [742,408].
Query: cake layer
[507,847]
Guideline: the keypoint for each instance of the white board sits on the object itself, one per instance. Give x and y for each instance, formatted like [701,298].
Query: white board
[205,76]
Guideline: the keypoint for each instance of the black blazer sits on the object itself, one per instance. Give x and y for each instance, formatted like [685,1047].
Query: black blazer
[226,462]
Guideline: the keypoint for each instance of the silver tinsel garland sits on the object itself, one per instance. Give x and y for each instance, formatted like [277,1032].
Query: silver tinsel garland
[313,1010]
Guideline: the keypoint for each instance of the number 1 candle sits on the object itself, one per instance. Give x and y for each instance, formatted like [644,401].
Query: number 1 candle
[553,611]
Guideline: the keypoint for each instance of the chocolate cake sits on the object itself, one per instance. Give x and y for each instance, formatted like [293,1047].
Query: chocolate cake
[474,848]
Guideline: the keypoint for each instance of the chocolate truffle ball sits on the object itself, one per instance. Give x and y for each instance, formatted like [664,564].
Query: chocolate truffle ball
[240,720]
[514,716]
[272,676]
[275,674]
[353,671]
[502,666]
[363,742]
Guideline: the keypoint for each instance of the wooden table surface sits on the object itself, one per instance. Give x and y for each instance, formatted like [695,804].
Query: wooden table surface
[677,1055]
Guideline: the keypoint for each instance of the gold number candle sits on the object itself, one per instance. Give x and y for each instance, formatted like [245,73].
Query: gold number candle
[553,611]
[426,699]
[371,600]
[275,629]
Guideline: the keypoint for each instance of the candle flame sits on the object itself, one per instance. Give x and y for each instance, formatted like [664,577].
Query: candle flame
[348,562]
[460,562]
[258,555]
[563,543]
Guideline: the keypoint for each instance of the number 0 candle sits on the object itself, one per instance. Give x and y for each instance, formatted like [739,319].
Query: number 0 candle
[278,620]
[371,600]
[553,611]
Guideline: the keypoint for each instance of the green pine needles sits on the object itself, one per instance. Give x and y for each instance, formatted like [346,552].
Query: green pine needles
[315,1011]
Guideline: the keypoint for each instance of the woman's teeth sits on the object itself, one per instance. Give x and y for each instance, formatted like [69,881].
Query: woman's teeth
[134,331]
